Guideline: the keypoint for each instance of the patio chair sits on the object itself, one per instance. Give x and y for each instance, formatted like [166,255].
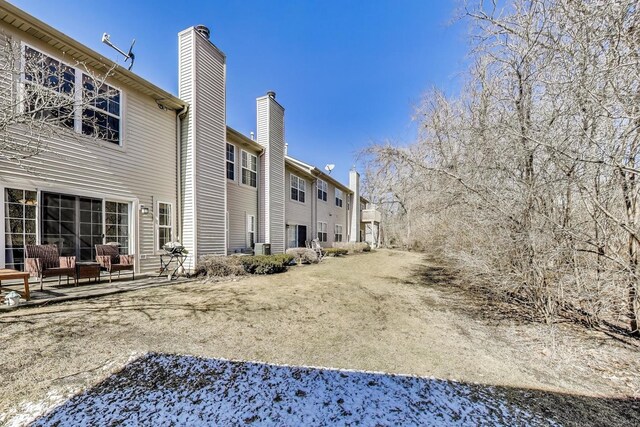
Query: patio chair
[43,261]
[317,247]
[110,260]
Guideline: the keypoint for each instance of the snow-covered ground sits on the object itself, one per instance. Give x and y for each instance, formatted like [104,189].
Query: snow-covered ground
[168,390]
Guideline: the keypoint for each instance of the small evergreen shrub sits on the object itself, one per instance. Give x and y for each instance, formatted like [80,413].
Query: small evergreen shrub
[335,252]
[303,255]
[219,266]
[266,264]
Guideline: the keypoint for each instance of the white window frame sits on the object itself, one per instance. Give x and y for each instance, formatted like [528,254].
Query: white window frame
[300,187]
[77,96]
[339,197]
[109,114]
[251,229]
[324,188]
[158,226]
[24,82]
[3,201]
[243,167]
[338,232]
[129,221]
[322,231]
[227,161]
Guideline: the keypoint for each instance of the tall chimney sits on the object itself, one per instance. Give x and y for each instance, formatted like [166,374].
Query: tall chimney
[270,134]
[202,84]
[354,185]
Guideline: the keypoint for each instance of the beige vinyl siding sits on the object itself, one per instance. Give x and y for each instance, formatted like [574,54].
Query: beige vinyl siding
[262,128]
[185,79]
[277,179]
[331,214]
[297,213]
[270,121]
[210,70]
[242,200]
[202,84]
[144,167]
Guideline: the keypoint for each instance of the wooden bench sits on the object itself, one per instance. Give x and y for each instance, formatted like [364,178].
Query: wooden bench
[8,274]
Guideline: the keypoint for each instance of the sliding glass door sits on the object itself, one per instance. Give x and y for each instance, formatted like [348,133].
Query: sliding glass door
[72,223]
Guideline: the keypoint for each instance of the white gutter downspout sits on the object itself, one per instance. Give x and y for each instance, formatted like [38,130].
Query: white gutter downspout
[179,116]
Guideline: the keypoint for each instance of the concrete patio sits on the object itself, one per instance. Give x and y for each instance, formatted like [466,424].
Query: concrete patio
[54,293]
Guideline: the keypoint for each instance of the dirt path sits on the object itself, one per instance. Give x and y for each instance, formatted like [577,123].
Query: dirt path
[376,312]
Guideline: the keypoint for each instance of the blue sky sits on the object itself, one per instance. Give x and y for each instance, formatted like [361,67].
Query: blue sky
[348,73]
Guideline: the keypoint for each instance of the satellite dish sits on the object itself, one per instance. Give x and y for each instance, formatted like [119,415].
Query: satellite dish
[106,39]
[329,168]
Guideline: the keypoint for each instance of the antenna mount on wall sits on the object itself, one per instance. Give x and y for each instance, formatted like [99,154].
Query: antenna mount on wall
[106,39]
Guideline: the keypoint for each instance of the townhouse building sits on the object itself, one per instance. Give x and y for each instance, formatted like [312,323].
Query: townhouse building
[151,168]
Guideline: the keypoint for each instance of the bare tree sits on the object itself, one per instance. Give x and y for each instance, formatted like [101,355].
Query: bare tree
[40,99]
[532,171]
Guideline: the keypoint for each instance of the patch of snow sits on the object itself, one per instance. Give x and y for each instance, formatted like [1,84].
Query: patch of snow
[167,390]
[29,411]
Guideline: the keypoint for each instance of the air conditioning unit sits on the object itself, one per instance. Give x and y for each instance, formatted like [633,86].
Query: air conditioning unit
[263,249]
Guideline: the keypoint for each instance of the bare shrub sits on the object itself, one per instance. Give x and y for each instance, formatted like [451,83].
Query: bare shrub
[303,255]
[220,266]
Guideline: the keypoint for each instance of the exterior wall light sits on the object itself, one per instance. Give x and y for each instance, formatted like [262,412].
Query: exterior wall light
[144,210]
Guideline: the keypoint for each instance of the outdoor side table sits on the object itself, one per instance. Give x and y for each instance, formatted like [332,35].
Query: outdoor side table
[164,265]
[8,274]
[87,270]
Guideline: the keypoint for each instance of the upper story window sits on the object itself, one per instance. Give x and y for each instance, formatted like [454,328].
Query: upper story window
[101,110]
[49,88]
[322,190]
[249,169]
[231,162]
[298,188]
[51,94]
[338,197]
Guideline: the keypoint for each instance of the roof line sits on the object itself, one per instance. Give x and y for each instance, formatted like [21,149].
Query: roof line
[317,172]
[77,50]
